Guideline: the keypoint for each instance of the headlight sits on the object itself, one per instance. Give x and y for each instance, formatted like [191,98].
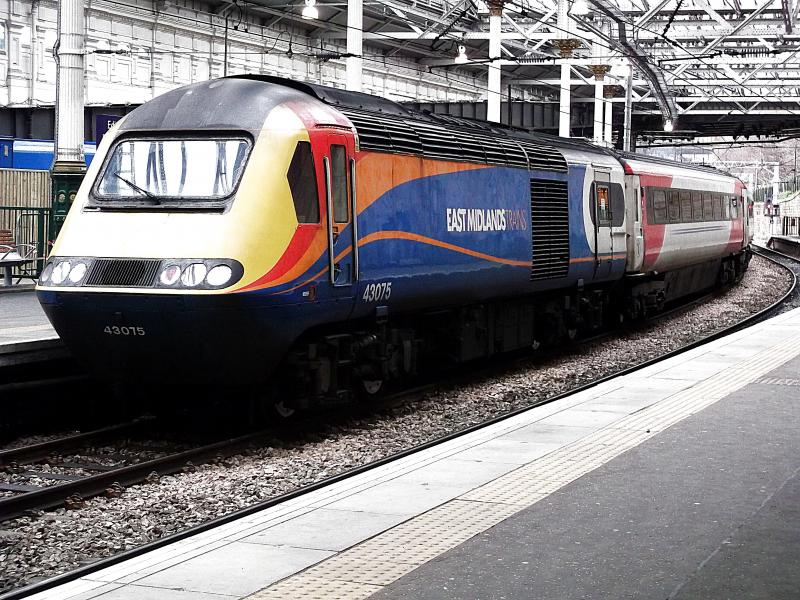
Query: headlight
[194,274]
[170,275]
[48,270]
[77,272]
[60,272]
[219,275]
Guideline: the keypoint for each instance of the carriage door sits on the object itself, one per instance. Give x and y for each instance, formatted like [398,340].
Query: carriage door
[339,172]
[601,213]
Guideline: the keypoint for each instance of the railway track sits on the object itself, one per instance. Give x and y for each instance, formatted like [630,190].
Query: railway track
[80,480]
[77,480]
[792,264]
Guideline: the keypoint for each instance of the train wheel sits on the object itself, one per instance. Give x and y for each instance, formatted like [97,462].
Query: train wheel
[283,410]
[372,386]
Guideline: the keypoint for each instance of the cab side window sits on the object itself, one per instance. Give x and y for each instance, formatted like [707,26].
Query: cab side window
[603,204]
[339,184]
[303,184]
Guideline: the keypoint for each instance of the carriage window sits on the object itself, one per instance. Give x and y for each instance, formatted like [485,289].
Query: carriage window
[339,184]
[686,207]
[735,207]
[708,207]
[603,204]
[726,208]
[717,207]
[697,206]
[674,208]
[659,207]
[303,183]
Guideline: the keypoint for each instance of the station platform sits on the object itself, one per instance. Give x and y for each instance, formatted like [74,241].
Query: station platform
[23,325]
[679,480]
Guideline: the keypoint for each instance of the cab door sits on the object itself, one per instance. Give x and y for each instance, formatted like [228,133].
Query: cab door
[339,174]
[601,211]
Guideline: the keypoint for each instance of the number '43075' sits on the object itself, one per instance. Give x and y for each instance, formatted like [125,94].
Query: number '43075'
[377,292]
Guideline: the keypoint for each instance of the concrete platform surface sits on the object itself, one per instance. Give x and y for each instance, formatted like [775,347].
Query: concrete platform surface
[22,319]
[678,480]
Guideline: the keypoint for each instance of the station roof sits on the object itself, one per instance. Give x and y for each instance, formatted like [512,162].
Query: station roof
[713,67]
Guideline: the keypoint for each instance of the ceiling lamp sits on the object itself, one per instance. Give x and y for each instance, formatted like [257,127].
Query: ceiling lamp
[461,57]
[580,8]
[668,126]
[310,10]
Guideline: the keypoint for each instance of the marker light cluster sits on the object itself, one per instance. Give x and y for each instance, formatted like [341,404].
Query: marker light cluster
[66,272]
[178,273]
[195,274]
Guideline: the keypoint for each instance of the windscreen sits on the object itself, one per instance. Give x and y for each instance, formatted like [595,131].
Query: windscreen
[173,169]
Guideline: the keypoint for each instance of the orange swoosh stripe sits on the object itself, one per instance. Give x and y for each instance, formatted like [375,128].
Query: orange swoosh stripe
[414,237]
[599,256]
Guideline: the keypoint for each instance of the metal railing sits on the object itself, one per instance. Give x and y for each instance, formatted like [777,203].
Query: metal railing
[30,228]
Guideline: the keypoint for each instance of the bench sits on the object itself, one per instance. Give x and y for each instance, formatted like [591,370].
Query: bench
[13,254]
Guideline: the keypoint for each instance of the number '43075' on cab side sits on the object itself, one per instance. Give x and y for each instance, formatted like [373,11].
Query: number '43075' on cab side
[377,292]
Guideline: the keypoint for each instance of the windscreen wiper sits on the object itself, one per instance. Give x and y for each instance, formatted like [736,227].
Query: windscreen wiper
[150,195]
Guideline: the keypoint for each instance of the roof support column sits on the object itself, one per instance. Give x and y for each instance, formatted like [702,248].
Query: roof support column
[565,44]
[608,133]
[69,82]
[68,167]
[600,68]
[564,103]
[494,94]
[628,140]
[598,112]
[355,24]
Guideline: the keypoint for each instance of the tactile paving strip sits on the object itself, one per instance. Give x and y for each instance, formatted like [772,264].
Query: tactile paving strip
[365,568]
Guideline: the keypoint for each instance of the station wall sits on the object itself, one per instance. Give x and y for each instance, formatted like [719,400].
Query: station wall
[137,49]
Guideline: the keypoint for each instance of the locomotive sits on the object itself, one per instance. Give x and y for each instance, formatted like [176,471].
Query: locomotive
[280,235]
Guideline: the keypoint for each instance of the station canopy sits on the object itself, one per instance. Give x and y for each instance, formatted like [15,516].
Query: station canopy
[708,67]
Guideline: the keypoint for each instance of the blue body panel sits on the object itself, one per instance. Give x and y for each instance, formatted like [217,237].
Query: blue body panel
[412,238]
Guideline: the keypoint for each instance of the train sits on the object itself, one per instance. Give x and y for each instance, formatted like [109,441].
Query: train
[34,154]
[305,242]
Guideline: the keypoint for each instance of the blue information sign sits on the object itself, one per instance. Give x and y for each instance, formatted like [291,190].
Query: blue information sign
[102,123]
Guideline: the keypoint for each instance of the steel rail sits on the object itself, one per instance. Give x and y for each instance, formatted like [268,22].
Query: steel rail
[36,452]
[103,563]
[93,485]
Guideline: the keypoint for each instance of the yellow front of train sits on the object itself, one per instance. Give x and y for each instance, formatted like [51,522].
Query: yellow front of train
[185,204]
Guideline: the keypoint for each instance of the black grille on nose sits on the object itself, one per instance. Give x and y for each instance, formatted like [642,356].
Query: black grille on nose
[123,272]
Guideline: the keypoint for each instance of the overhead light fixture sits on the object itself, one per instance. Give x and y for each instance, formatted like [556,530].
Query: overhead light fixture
[619,71]
[310,10]
[668,126]
[580,8]
[462,57]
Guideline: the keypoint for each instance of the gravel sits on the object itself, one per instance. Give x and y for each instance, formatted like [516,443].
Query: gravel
[40,546]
